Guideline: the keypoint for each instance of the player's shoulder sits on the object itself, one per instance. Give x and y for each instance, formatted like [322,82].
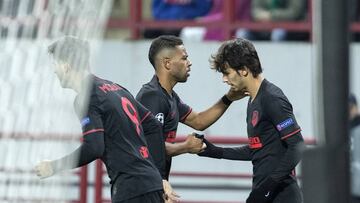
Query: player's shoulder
[103,86]
[272,93]
[103,90]
[272,90]
[150,90]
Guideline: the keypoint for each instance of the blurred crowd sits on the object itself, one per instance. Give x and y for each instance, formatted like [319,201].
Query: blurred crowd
[212,11]
[21,18]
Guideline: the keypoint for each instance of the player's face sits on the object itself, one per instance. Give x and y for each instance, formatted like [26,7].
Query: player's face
[180,64]
[233,78]
[62,71]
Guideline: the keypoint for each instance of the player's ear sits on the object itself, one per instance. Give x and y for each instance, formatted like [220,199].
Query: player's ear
[66,67]
[166,63]
[244,72]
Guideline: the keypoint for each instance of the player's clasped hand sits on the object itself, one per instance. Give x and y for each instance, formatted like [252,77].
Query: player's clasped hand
[264,193]
[44,169]
[194,144]
[211,150]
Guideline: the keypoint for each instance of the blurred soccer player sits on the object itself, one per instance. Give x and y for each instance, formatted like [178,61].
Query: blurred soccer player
[169,58]
[113,125]
[354,122]
[275,141]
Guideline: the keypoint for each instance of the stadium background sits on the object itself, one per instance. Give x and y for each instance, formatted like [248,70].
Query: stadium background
[37,120]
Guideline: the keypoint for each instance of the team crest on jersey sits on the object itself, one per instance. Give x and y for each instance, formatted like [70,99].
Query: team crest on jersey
[254,118]
[160,117]
[144,152]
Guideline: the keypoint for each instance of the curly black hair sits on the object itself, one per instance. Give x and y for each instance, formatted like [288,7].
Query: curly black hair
[239,54]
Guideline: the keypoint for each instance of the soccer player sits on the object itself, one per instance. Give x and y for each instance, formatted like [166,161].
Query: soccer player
[113,125]
[275,140]
[354,122]
[169,58]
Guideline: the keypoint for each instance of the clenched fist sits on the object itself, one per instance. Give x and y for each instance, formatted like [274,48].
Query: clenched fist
[44,169]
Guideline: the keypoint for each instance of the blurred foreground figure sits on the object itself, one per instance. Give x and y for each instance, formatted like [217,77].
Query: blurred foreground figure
[354,119]
[113,125]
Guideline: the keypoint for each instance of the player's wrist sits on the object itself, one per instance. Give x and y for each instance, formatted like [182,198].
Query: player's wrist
[225,99]
[54,166]
[57,165]
[212,151]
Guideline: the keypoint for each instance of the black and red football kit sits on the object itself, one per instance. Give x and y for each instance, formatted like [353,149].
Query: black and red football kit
[114,126]
[168,109]
[274,147]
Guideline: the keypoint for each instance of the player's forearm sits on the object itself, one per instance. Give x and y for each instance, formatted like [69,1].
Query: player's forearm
[237,153]
[291,158]
[92,148]
[71,161]
[174,149]
[206,118]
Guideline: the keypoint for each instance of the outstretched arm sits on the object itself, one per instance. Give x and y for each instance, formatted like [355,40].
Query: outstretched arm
[201,121]
[242,153]
[91,149]
[93,146]
[192,145]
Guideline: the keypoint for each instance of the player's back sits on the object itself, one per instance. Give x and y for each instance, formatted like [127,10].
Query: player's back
[126,154]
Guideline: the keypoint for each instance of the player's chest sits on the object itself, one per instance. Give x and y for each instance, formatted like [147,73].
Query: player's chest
[172,117]
[257,121]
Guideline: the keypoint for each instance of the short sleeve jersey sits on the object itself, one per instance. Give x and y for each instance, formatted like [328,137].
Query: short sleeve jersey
[114,111]
[169,110]
[270,120]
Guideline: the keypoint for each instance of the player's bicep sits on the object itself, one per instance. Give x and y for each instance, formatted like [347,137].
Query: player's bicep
[190,119]
[184,109]
[280,112]
[91,122]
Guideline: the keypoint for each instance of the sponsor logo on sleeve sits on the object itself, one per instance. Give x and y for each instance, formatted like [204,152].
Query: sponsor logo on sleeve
[160,117]
[286,123]
[85,121]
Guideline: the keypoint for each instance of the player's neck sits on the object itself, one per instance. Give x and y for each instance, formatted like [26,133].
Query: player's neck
[80,81]
[254,86]
[166,83]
